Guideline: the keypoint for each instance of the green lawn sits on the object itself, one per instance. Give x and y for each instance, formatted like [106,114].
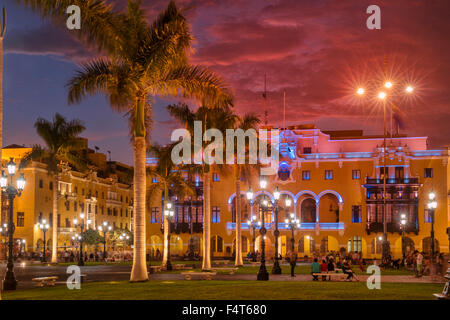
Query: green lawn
[230,290]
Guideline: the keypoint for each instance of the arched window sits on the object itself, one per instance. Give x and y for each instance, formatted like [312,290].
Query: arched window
[216,244]
[324,245]
[301,245]
[354,244]
[284,171]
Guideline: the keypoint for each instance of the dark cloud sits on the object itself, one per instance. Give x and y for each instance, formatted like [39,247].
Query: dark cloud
[47,40]
[317,52]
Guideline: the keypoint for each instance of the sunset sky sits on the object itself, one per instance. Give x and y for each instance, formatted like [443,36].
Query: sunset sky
[319,52]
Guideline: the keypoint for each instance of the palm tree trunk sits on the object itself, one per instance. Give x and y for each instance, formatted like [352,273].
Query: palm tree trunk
[55,220]
[139,270]
[2,35]
[238,261]
[166,228]
[206,222]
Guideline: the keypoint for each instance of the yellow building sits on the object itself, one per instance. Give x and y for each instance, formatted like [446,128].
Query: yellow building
[334,181]
[104,193]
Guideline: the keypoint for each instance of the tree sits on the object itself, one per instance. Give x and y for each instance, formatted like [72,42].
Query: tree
[220,119]
[91,237]
[142,61]
[2,36]
[167,177]
[61,138]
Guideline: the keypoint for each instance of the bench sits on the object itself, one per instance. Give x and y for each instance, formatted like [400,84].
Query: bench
[206,275]
[179,266]
[339,275]
[230,270]
[154,269]
[43,281]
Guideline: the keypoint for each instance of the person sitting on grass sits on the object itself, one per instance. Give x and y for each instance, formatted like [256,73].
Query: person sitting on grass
[315,268]
[347,269]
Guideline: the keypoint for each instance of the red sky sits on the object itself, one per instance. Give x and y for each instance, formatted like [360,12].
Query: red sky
[318,52]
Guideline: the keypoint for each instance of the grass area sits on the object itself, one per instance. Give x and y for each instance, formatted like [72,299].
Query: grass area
[226,290]
[300,269]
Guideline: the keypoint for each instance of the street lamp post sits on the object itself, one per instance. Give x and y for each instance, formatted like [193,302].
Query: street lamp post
[292,224]
[253,224]
[403,225]
[276,265]
[81,225]
[10,282]
[105,228]
[124,237]
[168,213]
[44,226]
[262,273]
[432,205]
[383,96]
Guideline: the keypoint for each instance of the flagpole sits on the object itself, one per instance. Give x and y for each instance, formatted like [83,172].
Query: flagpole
[265,99]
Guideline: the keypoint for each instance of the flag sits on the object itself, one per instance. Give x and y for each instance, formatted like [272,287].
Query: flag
[398,117]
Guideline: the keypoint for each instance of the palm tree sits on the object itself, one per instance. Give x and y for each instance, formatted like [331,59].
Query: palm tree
[2,36]
[249,121]
[220,119]
[62,143]
[142,61]
[167,177]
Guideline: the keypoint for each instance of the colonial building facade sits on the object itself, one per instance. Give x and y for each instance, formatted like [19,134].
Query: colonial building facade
[334,181]
[102,194]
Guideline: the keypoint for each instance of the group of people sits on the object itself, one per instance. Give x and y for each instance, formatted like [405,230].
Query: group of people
[329,266]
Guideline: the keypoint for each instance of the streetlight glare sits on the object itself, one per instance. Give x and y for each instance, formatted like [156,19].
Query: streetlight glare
[360,91]
[432,195]
[382,95]
[388,84]
[409,89]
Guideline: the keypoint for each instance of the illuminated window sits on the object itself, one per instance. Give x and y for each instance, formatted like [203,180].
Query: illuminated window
[328,174]
[356,174]
[428,173]
[20,219]
[356,214]
[215,177]
[154,215]
[306,175]
[215,214]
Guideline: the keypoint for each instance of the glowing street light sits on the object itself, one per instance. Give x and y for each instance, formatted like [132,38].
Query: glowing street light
[44,226]
[381,95]
[409,89]
[388,84]
[360,91]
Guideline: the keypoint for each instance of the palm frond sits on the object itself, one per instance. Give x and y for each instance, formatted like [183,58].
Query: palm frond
[195,82]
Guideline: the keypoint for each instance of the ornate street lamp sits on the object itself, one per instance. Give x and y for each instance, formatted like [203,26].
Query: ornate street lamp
[292,223]
[169,214]
[81,225]
[383,96]
[10,282]
[403,225]
[432,205]
[276,265]
[262,273]
[104,228]
[253,224]
[44,226]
